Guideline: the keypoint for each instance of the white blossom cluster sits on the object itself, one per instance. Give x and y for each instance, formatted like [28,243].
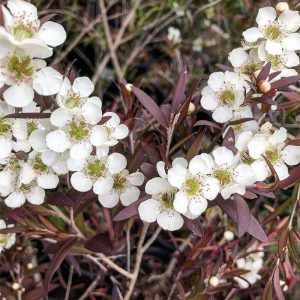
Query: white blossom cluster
[274,41]
[76,138]
[254,263]
[75,141]
[185,188]
[6,240]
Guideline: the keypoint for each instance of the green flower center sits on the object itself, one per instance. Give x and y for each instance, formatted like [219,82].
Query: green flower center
[96,168]
[167,198]
[272,155]
[273,32]
[78,130]
[31,126]
[5,127]
[38,164]
[73,100]
[22,32]
[119,181]
[25,187]
[20,67]
[249,69]
[14,164]
[274,60]
[223,176]
[192,186]
[246,158]
[227,97]
[3,239]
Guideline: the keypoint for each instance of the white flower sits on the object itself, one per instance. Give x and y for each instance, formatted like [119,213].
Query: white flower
[124,188]
[160,206]
[22,29]
[223,94]
[243,62]
[253,262]
[279,62]
[74,100]
[174,35]
[18,184]
[243,112]
[6,143]
[42,173]
[97,173]
[279,33]
[6,240]
[24,75]
[195,186]
[232,176]
[228,235]
[273,147]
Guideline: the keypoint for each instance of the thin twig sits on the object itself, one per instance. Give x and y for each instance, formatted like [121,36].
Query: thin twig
[114,266]
[118,40]
[139,256]
[110,44]
[90,288]
[69,282]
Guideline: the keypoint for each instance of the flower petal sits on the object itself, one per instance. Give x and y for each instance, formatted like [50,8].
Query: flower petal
[103,185]
[291,155]
[60,117]
[223,156]
[170,220]
[47,81]
[291,42]
[81,182]
[36,196]
[109,200]
[148,210]
[136,178]
[181,202]
[98,135]
[198,206]
[53,34]
[222,114]
[252,34]
[116,163]
[83,86]
[19,95]
[48,181]
[130,195]
[58,141]
[157,185]
[81,151]
[15,199]
[266,15]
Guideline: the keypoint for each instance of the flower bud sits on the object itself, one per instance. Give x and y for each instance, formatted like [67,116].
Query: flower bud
[29,266]
[264,86]
[282,7]
[214,281]
[228,235]
[128,87]
[15,286]
[191,108]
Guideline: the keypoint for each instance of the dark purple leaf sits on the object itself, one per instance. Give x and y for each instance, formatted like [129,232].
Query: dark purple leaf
[229,140]
[224,68]
[1,17]
[207,123]
[29,116]
[286,81]
[60,199]
[254,228]
[46,18]
[178,96]
[151,106]
[233,272]
[99,243]
[243,214]
[129,211]
[240,121]
[264,73]
[249,195]
[276,282]
[148,170]
[195,226]
[195,148]
[294,177]
[56,261]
